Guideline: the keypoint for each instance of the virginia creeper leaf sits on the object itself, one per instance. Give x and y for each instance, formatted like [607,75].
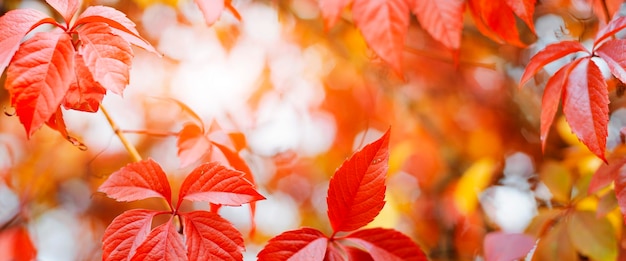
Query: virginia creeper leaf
[67,8]
[331,10]
[387,244]
[550,54]
[15,25]
[500,246]
[39,76]
[555,245]
[57,123]
[620,187]
[443,20]
[614,54]
[609,30]
[586,105]
[192,144]
[136,181]
[84,94]
[384,25]
[525,10]
[356,192]
[235,161]
[211,10]
[214,183]
[119,23]
[593,237]
[300,244]
[16,245]
[358,254]
[606,174]
[210,237]
[107,56]
[125,233]
[498,17]
[163,243]
[551,96]
[239,164]
[335,252]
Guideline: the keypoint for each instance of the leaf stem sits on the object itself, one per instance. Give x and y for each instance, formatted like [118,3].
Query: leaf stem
[129,147]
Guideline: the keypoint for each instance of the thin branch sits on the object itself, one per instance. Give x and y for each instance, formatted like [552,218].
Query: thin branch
[129,147]
[605,9]
[151,132]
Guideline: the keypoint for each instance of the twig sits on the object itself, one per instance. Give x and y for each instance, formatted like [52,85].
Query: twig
[129,147]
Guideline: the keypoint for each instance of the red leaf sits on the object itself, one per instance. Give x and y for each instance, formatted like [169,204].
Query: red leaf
[585,105]
[211,10]
[210,237]
[384,25]
[84,94]
[358,254]
[331,10]
[235,161]
[551,96]
[525,10]
[614,54]
[15,25]
[163,243]
[442,19]
[499,17]
[119,23]
[301,244]
[136,181]
[192,144]
[620,189]
[57,123]
[357,190]
[16,245]
[550,54]
[67,8]
[39,76]
[125,233]
[214,183]
[609,30]
[387,244]
[107,56]
[606,174]
[335,252]
[501,246]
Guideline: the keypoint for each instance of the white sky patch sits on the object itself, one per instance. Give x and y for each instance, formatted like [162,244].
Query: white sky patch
[279,214]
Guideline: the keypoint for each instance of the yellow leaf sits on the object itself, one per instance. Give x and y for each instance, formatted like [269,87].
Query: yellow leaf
[475,179]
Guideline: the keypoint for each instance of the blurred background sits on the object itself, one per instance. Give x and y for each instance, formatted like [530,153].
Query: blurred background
[465,151]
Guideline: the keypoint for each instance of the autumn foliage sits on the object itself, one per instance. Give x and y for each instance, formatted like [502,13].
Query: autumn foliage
[313,130]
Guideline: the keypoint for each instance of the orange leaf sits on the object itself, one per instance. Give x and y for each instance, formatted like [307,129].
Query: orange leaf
[125,233]
[387,244]
[384,25]
[613,52]
[137,181]
[499,17]
[39,76]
